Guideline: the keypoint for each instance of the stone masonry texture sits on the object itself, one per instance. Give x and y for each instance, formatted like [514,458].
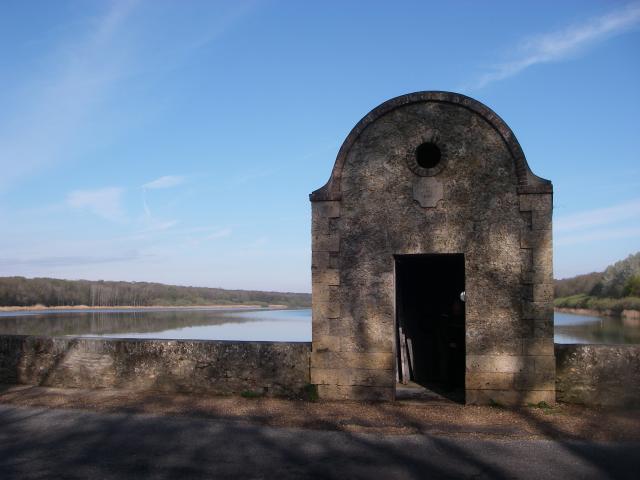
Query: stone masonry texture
[607,375]
[481,201]
[215,367]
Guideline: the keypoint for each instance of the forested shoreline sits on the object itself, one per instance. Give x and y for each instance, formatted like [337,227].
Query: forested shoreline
[52,292]
[612,291]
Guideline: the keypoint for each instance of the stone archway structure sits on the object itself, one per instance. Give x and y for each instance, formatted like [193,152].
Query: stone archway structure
[420,177]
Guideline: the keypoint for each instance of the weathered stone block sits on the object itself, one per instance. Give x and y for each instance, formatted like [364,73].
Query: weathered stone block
[326,243]
[537,310]
[323,343]
[326,209]
[543,328]
[327,309]
[366,377]
[378,326]
[535,238]
[327,276]
[538,346]
[499,363]
[545,363]
[330,391]
[543,293]
[320,260]
[320,327]
[325,359]
[540,202]
[323,293]
[324,376]
[367,343]
[540,220]
[497,345]
[492,381]
[374,361]
[321,226]
[535,380]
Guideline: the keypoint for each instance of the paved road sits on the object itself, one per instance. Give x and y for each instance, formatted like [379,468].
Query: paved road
[40,443]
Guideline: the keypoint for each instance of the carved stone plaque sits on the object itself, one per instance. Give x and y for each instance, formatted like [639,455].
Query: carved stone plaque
[427,191]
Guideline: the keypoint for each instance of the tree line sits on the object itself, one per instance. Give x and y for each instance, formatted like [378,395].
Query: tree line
[51,292]
[615,289]
[622,279]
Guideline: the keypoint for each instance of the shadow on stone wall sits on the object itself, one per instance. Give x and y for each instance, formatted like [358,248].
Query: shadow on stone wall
[216,367]
[607,375]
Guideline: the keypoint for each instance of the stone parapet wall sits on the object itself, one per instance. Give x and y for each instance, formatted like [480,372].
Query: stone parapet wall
[607,375]
[215,367]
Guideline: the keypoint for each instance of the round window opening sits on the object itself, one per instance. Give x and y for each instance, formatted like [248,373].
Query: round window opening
[428,155]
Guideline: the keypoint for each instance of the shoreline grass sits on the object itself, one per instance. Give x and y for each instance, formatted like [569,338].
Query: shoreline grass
[605,305]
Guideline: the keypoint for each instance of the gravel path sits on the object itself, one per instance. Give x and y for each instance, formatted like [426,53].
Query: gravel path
[40,443]
[564,422]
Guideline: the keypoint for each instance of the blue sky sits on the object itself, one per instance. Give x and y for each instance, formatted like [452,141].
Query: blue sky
[177,141]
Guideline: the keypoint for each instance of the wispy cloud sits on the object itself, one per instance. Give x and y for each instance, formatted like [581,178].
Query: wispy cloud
[160,226]
[225,232]
[64,261]
[258,242]
[104,202]
[599,224]
[598,217]
[559,45]
[598,236]
[51,115]
[167,181]
[81,72]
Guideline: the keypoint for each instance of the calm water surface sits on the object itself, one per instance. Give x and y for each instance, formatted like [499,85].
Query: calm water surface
[192,324]
[266,325]
[571,328]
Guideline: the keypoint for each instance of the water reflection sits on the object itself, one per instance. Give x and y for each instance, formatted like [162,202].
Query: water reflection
[571,328]
[254,325]
[193,324]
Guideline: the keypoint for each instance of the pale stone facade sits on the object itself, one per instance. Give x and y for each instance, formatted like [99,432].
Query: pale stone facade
[476,197]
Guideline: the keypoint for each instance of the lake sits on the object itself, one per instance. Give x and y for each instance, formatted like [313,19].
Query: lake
[252,325]
[572,328]
[187,324]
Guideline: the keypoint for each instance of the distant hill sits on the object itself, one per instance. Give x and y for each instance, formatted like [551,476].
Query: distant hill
[576,285]
[50,292]
[622,279]
[611,292]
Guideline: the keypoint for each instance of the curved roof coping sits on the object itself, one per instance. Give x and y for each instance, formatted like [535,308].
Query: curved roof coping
[528,182]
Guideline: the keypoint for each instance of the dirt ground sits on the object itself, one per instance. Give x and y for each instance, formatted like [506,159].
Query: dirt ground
[391,418]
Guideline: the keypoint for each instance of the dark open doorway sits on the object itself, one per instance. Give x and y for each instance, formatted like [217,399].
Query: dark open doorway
[430,318]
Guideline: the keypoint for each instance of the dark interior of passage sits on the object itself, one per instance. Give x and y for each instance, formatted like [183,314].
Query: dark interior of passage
[431,322]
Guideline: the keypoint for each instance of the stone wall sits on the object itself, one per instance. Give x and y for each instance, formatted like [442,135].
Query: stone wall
[216,367]
[607,375]
[481,201]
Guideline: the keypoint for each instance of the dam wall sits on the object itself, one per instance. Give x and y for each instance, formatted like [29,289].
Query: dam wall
[594,375]
[603,375]
[191,366]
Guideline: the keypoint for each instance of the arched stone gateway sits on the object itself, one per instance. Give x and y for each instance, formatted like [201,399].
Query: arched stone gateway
[432,259]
